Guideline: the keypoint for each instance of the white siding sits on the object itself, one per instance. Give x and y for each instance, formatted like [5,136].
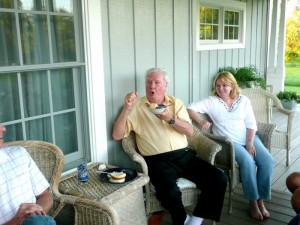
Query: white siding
[139,34]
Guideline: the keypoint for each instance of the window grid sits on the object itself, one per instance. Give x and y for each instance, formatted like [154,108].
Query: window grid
[209,23]
[231,25]
[220,25]
[18,124]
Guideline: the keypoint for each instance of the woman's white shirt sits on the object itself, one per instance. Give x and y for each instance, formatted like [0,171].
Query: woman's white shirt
[231,122]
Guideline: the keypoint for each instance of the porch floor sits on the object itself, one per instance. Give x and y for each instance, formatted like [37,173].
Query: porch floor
[279,206]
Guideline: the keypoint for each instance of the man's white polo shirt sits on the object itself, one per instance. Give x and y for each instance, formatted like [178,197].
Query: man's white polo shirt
[20,181]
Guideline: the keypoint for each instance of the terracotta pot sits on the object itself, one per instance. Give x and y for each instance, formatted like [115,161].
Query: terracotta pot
[295,200]
[293,181]
[155,218]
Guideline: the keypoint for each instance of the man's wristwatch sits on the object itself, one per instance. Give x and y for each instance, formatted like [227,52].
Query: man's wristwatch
[172,121]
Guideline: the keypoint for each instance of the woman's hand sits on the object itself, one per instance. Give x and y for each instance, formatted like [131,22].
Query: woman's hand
[250,148]
[204,124]
[250,142]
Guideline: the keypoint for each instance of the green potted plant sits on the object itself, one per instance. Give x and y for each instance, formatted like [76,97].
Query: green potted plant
[246,77]
[289,99]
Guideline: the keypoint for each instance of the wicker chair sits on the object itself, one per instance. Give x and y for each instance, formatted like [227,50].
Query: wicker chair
[262,103]
[206,149]
[225,159]
[50,160]
[111,210]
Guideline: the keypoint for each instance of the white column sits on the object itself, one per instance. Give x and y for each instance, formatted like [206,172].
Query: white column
[276,67]
[281,45]
[95,80]
[272,38]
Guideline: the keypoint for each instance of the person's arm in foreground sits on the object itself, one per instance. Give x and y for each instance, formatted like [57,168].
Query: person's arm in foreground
[41,207]
[45,200]
[203,123]
[120,124]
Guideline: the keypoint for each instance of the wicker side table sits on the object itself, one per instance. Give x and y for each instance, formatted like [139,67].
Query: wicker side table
[97,202]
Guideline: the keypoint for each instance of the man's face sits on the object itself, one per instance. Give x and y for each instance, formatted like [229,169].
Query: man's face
[2,131]
[156,87]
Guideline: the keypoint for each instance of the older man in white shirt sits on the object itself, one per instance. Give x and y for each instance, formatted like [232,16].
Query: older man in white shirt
[24,195]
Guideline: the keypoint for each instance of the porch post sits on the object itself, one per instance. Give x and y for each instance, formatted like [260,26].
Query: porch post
[95,80]
[276,66]
[281,45]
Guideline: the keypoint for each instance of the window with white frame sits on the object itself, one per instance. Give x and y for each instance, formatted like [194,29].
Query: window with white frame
[42,74]
[221,25]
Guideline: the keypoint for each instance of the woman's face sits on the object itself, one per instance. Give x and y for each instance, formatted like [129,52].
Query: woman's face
[223,90]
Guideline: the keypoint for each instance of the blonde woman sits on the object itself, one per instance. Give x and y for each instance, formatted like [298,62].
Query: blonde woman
[232,116]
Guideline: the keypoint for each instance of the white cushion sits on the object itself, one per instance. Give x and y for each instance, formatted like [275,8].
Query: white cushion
[183,183]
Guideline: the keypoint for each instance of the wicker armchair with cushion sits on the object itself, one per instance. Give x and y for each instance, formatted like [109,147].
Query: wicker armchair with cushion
[225,159]
[262,103]
[50,160]
[206,149]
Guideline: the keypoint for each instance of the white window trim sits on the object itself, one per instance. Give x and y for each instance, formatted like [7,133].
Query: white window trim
[95,80]
[229,5]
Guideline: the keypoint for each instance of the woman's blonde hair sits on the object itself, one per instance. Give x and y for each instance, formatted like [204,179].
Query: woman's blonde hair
[229,80]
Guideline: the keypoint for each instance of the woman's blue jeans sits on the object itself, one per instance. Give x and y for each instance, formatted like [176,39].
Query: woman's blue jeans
[39,220]
[256,172]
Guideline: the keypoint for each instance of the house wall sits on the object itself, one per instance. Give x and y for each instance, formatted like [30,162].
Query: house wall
[139,34]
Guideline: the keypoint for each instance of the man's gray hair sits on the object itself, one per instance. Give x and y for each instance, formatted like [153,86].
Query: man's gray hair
[158,70]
